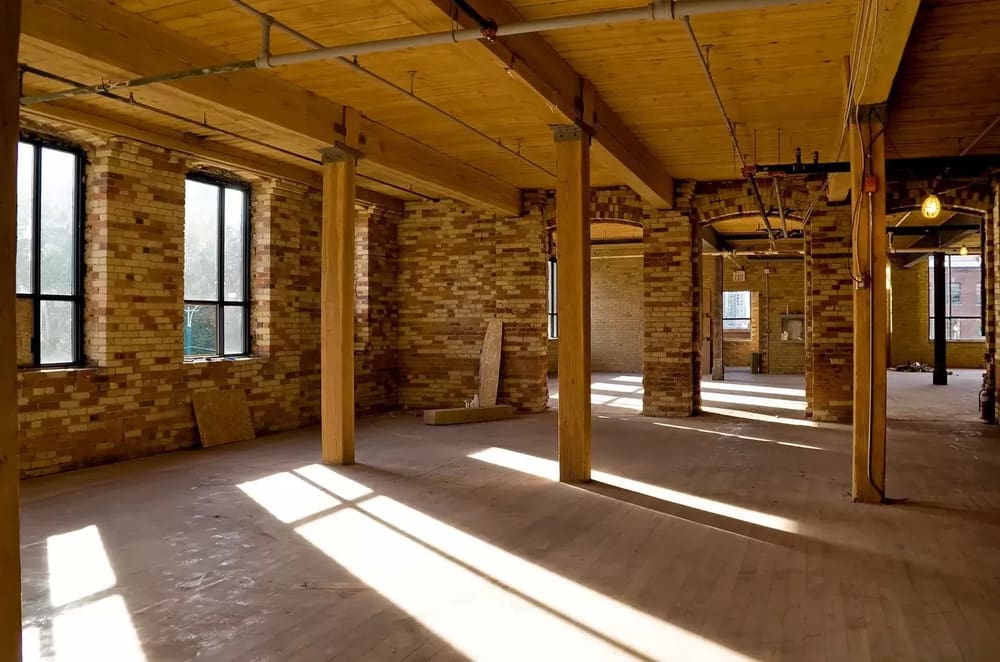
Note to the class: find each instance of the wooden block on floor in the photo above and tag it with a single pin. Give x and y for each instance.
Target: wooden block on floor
(223, 417)
(467, 415)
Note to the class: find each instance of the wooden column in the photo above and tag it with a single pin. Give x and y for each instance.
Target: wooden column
(871, 306)
(941, 290)
(573, 296)
(718, 351)
(10, 551)
(337, 298)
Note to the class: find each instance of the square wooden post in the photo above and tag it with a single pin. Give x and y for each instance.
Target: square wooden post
(10, 549)
(337, 306)
(871, 303)
(573, 250)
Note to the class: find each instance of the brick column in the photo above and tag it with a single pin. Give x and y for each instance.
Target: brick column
(671, 363)
(376, 309)
(829, 314)
(991, 230)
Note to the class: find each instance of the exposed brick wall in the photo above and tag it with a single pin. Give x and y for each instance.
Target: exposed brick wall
(376, 310)
(671, 289)
(992, 257)
(910, 340)
(458, 268)
(133, 398)
(616, 309)
(772, 296)
(829, 350)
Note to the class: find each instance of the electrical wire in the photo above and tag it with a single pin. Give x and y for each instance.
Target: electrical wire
(358, 67)
(131, 101)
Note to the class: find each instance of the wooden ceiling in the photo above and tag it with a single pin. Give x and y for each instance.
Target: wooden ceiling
(779, 73)
(946, 92)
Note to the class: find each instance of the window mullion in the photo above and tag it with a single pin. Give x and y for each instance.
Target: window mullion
(220, 293)
(36, 257)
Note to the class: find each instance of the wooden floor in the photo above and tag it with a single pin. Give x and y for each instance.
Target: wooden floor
(708, 538)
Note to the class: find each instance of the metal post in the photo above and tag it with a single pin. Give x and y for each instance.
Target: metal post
(940, 322)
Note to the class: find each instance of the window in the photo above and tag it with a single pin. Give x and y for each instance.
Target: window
(553, 311)
(216, 275)
(736, 314)
(964, 314)
(49, 264)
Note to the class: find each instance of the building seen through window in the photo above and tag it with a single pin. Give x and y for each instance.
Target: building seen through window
(963, 306)
(736, 314)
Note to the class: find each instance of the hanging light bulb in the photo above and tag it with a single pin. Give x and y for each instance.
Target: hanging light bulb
(963, 251)
(931, 206)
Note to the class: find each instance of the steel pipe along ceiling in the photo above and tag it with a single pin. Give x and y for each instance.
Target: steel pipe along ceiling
(654, 11)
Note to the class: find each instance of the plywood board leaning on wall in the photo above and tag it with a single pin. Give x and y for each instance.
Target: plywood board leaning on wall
(223, 417)
(489, 364)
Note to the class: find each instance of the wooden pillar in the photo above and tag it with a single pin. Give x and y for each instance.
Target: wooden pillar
(871, 305)
(10, 549)
(573, 298)
(337, 297)
(718, 351)
(941, 290)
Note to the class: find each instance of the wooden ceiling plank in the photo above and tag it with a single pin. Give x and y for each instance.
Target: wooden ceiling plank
(541, 67)
(122, 40)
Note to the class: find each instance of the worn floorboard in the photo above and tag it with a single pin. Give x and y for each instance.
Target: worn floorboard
(706, 538)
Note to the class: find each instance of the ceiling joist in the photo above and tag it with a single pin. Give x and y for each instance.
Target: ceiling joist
(124, 41)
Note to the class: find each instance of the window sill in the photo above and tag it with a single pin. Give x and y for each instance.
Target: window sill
(57, 369)
(961, 342)
(201, 360)
(724, 339)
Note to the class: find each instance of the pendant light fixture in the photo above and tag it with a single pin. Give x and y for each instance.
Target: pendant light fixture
(931, 206)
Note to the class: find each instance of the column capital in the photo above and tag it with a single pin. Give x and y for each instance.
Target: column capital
(562, 133)
(340, 152)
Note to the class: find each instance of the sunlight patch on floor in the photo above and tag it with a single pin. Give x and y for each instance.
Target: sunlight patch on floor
(752, 388)
(78, 566)
(739, 436)
(485, 602)
(100, 630)
(288, 497)
(753, 401)
(549, 469)
(88, 623)
(766, 418)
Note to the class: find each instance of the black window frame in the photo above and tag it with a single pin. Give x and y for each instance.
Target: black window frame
(739, 334)
(553, 309)
(38, 142)
(949, 301)
(222, 183)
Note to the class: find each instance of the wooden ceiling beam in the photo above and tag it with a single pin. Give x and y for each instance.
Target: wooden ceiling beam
(531, 59)
(125, 41)
(216, 153)
(874, 70)
(893, 24)
(711, 237)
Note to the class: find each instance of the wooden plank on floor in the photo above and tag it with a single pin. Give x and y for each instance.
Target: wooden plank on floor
(459, 415)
